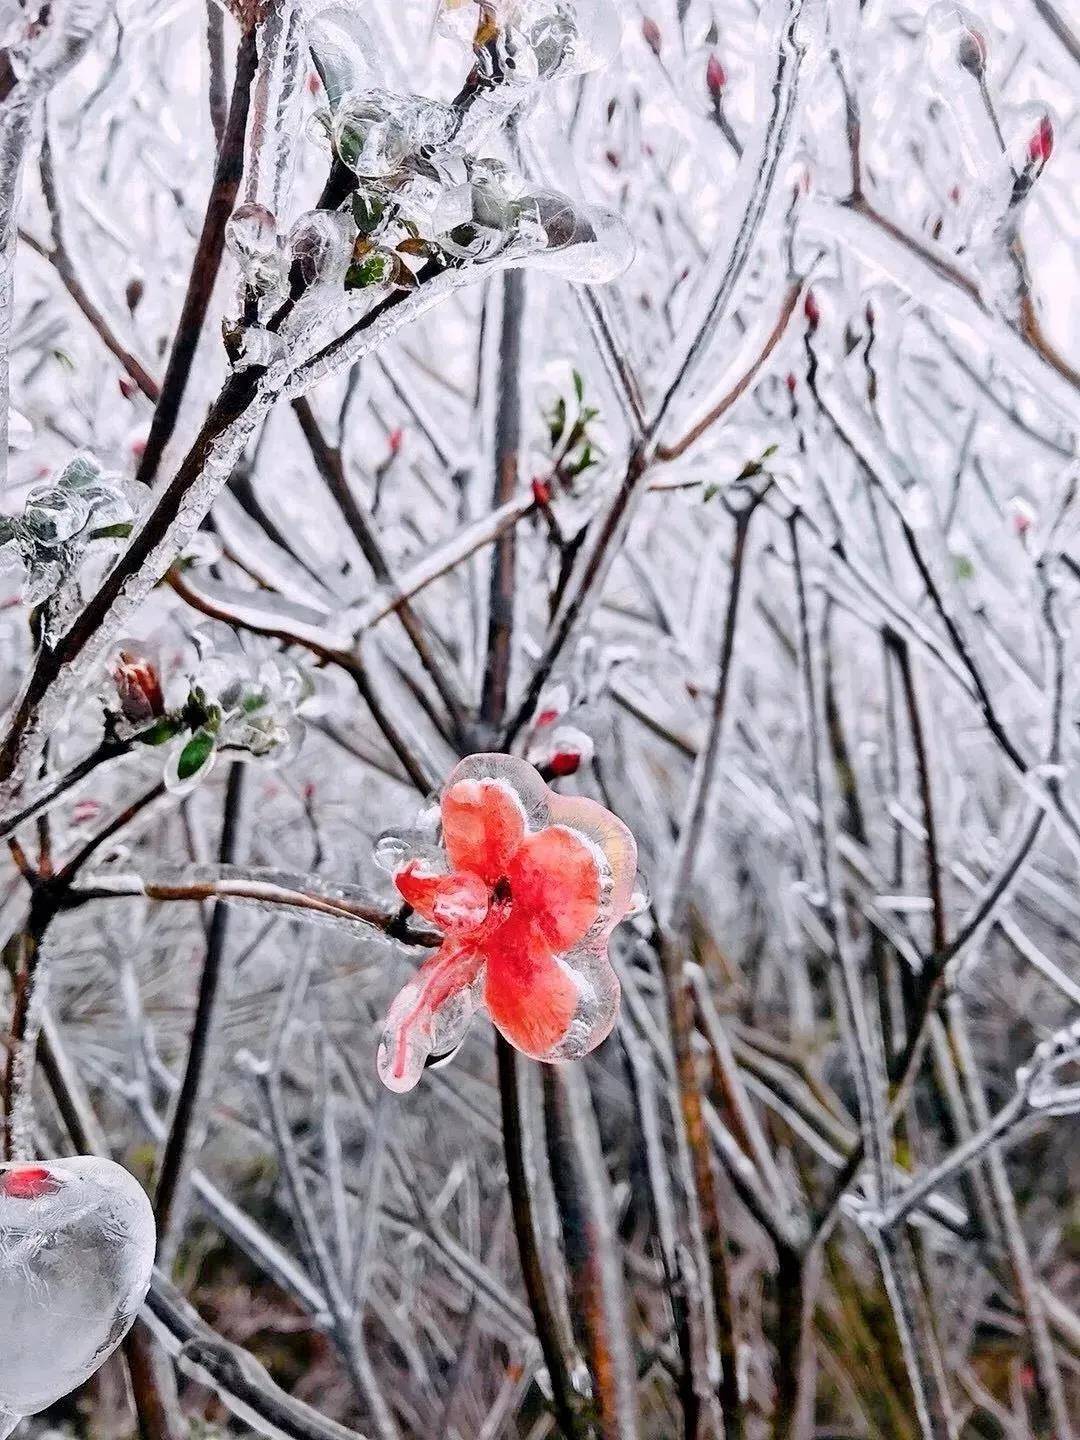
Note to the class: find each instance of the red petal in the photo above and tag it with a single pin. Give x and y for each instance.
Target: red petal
(528, 994)
(457, 902)
(411, 1021)
(483, 824)
(28, 1182)
(555, 887)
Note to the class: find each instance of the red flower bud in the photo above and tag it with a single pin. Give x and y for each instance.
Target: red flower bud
(971, 52)
(394, 439)
(138, 687)
(564, 762)
(1041, 144)
(651, 33)
(715, 77)
(127, 386)
(547, 717)
(812, 311)
(791, 383)
(541, 491)
(138, 447)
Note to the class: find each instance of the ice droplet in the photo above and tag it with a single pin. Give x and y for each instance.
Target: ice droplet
(321, 243)
(76, 1250)
(342, 47)
(252, 236)
(585, 244)
(375, 131)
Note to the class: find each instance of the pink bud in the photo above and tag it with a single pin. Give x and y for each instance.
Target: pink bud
(84, 810)
(812, 311)
(394, 439)
(547, 717)
(127, 386)
(138, 447)
(138, 687)
(1022, 516)
(715, 77)
(791, 383)
(651, 33)
(1041, 144)
(314, 84)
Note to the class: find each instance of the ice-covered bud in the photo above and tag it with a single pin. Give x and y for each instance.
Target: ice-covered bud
(321, 245)
(954, 37)
(585, 244)
(563, 762)
(395, 440)
(252, 238)
(1040, 145)
(375, 131)
(715, 78)
(480, 218)
(138, 687)
(812, 311)
(127, 385)
(541, 490)
(1021, 516)
(76, 1253)
(541, 40)
(561, 751)
(650, 33)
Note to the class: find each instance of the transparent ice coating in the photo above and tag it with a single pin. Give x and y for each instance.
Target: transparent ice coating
(532, 40)
(527, 889)
(341, 46)
(76, 1251)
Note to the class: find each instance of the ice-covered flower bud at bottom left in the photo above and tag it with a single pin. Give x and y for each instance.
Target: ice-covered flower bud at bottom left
(76, 1251)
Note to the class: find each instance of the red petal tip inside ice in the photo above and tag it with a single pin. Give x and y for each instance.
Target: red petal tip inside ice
(28, 1182)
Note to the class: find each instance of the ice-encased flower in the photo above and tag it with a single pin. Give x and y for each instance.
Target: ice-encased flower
(527, 889)
(76, 1252)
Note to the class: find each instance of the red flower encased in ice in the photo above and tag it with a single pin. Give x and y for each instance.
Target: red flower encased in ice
(527, 889)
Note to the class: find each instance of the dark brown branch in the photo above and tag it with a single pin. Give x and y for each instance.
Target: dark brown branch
(207, 262)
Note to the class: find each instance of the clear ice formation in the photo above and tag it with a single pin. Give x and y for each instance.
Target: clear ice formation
(76, 1252)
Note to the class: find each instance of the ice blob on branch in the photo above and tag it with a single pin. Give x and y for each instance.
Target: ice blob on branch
(375, 132)
(76, 1252)
(527, 887)
(341, 46)
(60, 520)
(519, 42)
(492, 214)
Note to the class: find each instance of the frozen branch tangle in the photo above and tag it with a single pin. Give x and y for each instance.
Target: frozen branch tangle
(761, 533)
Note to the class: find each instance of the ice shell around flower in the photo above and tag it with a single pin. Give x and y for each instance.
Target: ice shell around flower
(527, 888)
(76, 1252)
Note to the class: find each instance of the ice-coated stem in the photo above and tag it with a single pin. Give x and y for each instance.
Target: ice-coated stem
(8, 1423)
(43, 61)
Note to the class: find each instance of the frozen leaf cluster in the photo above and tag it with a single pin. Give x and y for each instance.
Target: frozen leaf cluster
(60, 521)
